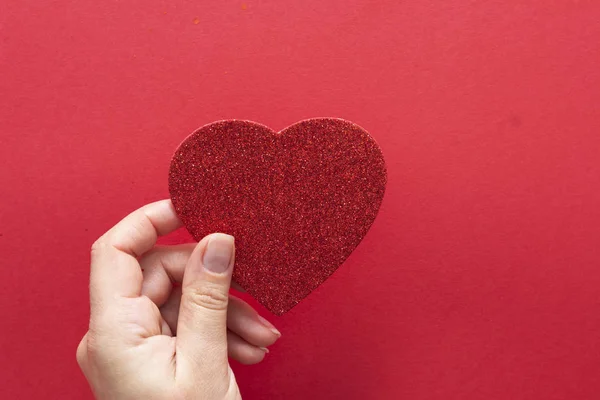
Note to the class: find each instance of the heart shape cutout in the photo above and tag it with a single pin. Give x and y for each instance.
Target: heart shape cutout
(298, 202)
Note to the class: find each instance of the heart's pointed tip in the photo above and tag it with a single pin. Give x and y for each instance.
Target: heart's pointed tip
(277, 308)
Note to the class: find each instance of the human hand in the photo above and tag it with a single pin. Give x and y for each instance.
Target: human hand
(148, 340)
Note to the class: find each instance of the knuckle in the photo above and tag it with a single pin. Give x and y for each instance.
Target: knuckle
(207, 295)
(92, 346)
(98, 246)
(81, 352)
(91, 350)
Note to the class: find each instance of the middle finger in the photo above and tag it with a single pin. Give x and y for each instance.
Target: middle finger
(242, 319)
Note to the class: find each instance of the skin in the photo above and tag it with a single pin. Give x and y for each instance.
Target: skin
(149, 340)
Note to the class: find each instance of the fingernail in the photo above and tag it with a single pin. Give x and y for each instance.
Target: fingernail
(264, 349)
(269, 325)
(218, 253)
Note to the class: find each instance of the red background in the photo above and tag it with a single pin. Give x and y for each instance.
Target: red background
(478, 280)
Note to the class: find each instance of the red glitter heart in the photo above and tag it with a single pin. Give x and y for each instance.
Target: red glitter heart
(298, 202)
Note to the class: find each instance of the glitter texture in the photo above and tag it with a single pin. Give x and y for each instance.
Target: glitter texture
(298, 202)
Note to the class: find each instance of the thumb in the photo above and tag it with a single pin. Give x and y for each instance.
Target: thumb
(202, 325)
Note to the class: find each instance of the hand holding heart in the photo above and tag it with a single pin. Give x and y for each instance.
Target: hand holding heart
(298, 202)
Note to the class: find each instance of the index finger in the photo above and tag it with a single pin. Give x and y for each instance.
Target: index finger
(115, 270)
